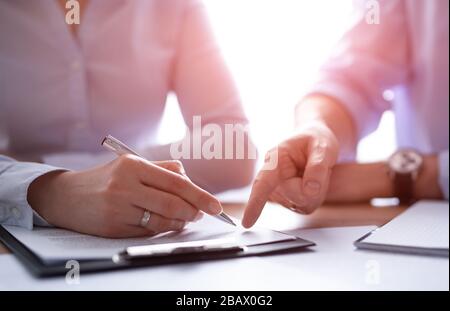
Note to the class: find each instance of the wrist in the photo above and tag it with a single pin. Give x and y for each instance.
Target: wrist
(427, 184)
(375, 181)
(331, 114)
(44, 191)
(313, 110)
(313, 123)
(414, 176)
(383, 186)
(359, 182)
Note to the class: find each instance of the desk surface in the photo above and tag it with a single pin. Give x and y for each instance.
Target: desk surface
(279, 218)
(333, 264)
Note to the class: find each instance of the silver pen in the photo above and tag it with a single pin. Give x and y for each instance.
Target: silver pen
(119, 148)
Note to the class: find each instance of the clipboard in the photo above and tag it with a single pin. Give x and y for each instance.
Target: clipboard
(193, 253)
(403, 249)
(422, 229)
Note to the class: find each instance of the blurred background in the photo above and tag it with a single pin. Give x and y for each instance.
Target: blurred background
(274, 48)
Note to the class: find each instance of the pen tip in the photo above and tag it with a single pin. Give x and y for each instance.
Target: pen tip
(231, 222)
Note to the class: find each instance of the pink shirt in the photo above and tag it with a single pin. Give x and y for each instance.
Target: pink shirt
(408, 53)
(59, 93)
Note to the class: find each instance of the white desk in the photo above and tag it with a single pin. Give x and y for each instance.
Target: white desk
(333, 264)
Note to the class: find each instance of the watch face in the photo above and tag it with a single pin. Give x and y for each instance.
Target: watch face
(405, 161)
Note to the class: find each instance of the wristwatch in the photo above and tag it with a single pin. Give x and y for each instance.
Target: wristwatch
(404, 168)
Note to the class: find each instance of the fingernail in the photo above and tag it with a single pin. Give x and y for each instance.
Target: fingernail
(312, 188)
(215, 208)
(246, 224)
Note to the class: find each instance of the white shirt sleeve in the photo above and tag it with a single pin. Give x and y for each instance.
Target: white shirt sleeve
(15, 178)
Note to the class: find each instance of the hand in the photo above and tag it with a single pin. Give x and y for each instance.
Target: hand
(110, 200)
(301, 177)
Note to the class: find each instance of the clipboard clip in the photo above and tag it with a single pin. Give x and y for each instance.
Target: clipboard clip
(181, 248)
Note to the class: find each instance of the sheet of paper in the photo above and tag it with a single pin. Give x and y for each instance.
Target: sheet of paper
(55, 244)
(425, 224)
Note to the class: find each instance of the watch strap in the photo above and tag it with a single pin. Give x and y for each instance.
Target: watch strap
(403, 187)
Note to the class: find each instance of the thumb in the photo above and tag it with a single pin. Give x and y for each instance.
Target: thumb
(317, 171)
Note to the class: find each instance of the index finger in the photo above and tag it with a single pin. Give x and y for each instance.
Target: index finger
(179, 185)
(265, 183)
(172, 165)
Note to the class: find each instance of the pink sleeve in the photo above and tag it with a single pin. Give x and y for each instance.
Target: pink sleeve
(204, 87)
(368, 60)
(201, 79)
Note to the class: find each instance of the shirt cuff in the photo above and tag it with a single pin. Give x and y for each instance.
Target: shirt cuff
(16, 211)
(443, 173)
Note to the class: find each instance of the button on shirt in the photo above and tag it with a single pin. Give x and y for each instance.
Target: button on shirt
(63, 92)
(406, 53)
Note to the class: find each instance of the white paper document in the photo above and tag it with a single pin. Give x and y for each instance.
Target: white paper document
(56, 244)
(423, 225)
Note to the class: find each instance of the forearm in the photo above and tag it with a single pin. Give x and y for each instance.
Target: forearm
(220, 175)
(354, 182)
(334, 115)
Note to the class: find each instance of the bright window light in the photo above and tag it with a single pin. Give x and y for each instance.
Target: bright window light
(274, 48)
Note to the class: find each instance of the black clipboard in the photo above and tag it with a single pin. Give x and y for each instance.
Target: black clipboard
(40, 268)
